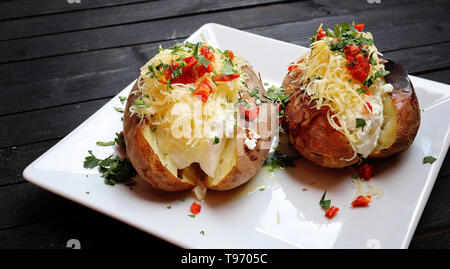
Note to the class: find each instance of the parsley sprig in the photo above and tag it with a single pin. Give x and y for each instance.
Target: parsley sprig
(325, 204)
(278, 159)
(113, 168)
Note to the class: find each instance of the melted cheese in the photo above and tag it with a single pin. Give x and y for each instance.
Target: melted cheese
(186, 128)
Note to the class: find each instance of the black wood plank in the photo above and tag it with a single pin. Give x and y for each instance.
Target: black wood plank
(116, 15)
(42, 125)
(422, 58)
(146, 32)
(24, 8)
(436, 214)
(25, 203)
(439, 75)
(46, 124)
(438, 240)
(13, 160)
(92, 229)
(73, 78)
(424, 23)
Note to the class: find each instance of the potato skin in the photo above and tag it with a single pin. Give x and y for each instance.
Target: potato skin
(150, 168)
(142, 156)
(309, 131)
(316, 140)
(408, 111)
(251, 161)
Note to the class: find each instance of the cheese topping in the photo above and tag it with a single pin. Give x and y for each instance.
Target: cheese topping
(355, 109)
(190, 129)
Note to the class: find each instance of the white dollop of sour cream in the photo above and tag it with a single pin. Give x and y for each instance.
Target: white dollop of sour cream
(367, 136)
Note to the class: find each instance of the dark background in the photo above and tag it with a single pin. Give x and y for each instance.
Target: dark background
(60, 62)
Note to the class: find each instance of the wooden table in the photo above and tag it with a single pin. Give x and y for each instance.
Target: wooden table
(60, 62)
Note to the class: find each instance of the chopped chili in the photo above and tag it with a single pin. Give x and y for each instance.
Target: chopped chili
(359, 27)
(195, 208)
(365, 171)
(249, 114)
(222, 77)
(362, 201)
(331, 212)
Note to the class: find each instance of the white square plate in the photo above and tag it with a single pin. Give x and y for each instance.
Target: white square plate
(284, 214)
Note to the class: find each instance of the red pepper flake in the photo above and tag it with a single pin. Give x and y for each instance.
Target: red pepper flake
(320, 34)
(230, 54)
(222, 77)
(292, 67)
(195, 208)
(249, 114)
(359, 27)
(203, 90)
(205, 51)
(365, 171)
(361, 67)
(367, 89)
(331, 212)
(368, 107)
(362, 201)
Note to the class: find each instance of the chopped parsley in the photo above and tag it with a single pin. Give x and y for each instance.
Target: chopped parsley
(119, 109)
(278, 95)
(216, 140)
(120, 140)
(139, 103)
(346, 34)
(228, 67)
(278, 159)
(169, 207)
(429, 159)
(325, 204)
(122, 99)
(370, 80)
(152, 71)
(361, 90)
(202, 232)
(105, 144)
(360, 123)
(202, 60)
(254, 92)
(192, 215)
(242, 103)
(113, 169)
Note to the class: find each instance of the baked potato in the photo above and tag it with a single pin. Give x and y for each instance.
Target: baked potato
(185, 86)
(336, 94)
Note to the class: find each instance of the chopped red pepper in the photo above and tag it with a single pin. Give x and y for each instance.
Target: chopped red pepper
(359, 27)
(350, 52)
(230, 54)
(365, 171)
(361, 68)
(362, 201)
(222, 77)
(331, 212)
(203, 90)
(320, 34)
(195, 208)
(205, 51)
(367, 89)
(368, 107)
(292, 67)
(249, 114)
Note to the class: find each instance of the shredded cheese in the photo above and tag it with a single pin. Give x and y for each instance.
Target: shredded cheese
(329, 83)
(186, 127)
